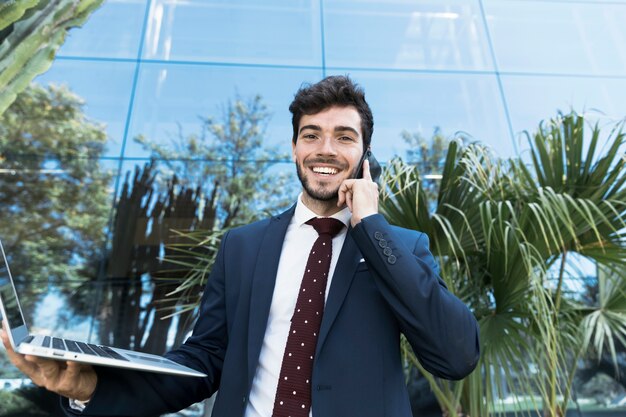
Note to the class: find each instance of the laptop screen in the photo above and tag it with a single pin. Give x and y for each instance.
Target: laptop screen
(8, 300)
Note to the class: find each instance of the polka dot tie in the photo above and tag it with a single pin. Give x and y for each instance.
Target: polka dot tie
(293, 396)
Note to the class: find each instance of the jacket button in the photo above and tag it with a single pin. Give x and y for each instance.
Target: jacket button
(387, 251)
(378, 235)
(244, 399)
(391, 259)
(382, 243)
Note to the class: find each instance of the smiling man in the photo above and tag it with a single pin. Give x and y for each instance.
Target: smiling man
(303, 312)
(327, 150)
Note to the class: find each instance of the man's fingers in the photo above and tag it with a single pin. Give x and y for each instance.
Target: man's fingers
(49, 369)
(349, 199)
(341, 194)
(73, 370)
(345, 194)
(367, 175)
(70, 377)
(77, 381)
(5, 338)
(18, 360)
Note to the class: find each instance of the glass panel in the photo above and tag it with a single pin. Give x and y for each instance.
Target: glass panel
(534, 98)
(56, 210)
(557, 37)
(106, 89)
(405, 34)
(112, 31)
(145, 216)
(172, 99)
(242, 31)
(423, 102)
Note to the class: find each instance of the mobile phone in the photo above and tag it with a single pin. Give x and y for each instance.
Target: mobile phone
(375, 169)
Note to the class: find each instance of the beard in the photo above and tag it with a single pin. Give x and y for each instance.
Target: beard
(320, 194)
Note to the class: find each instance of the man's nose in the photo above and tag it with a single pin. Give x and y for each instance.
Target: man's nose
(327, 146)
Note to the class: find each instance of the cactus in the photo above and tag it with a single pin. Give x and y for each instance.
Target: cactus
(31, 31)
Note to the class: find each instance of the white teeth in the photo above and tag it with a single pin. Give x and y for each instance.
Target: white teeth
(324, 170)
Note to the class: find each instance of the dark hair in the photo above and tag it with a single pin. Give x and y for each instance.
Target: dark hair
(336, 90)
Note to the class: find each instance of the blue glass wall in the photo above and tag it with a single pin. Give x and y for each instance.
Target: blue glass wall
(489, 68)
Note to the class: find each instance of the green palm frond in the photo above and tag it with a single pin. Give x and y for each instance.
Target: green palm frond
(194, 255)
(497, 227)
(605, 323)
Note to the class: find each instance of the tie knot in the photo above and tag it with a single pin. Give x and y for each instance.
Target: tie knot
(326, 225)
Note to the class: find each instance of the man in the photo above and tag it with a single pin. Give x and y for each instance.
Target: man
(257, 337)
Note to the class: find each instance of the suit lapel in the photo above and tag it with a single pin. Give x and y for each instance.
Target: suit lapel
(342, 278)
(263, 282)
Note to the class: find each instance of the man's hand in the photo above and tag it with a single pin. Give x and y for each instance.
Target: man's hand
(69, 379)
(361, 195)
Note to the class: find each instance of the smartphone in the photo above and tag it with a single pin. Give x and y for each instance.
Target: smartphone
(375, 169)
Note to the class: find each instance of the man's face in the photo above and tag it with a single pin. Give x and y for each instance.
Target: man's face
(328, 150)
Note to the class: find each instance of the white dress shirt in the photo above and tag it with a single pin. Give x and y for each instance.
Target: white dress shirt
(298, 242)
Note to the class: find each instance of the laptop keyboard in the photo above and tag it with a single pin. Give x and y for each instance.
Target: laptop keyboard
(78, 347)
(72, 346)
(58, 343)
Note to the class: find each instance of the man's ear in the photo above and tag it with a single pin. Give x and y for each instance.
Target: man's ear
(293, 151)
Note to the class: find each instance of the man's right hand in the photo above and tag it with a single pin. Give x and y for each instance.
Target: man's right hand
(69, 379)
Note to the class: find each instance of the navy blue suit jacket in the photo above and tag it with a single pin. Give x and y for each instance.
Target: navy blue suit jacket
(374, 296)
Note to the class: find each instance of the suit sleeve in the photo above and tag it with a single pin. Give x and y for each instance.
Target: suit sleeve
(441, 329)
(133, 393)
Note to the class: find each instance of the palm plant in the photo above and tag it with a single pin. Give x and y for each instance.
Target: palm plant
(31, 32)
(500, 230)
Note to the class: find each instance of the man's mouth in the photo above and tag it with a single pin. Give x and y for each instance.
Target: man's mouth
(325, 170)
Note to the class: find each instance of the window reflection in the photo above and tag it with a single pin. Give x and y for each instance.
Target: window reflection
(401, 34)
(105, 87)
(241, 31)
(533, 98)
(558, 37)
(172, 99)
(112, 31)
(468, 104)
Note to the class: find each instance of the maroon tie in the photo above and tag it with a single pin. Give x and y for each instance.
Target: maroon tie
(293, 395)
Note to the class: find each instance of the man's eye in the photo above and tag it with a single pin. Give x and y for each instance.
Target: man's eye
(346, 139)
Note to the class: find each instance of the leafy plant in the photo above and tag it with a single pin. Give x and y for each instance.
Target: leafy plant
(31, 32)
(500, 229)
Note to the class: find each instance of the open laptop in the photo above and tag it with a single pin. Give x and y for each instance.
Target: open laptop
(71, 350)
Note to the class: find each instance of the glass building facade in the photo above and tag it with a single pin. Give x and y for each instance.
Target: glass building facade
(489, 69)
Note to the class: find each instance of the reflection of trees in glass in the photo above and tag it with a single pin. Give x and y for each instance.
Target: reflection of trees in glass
(129, 309)
(211, 180)
(53, 192)
(229, 159)
(428, 157)
(31, 31)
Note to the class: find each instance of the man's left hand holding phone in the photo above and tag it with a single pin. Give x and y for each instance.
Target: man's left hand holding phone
(360, 195)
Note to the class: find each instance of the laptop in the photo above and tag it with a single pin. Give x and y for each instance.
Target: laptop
(72, 350)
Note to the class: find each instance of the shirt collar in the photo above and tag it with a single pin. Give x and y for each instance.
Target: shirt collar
(303, 214)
